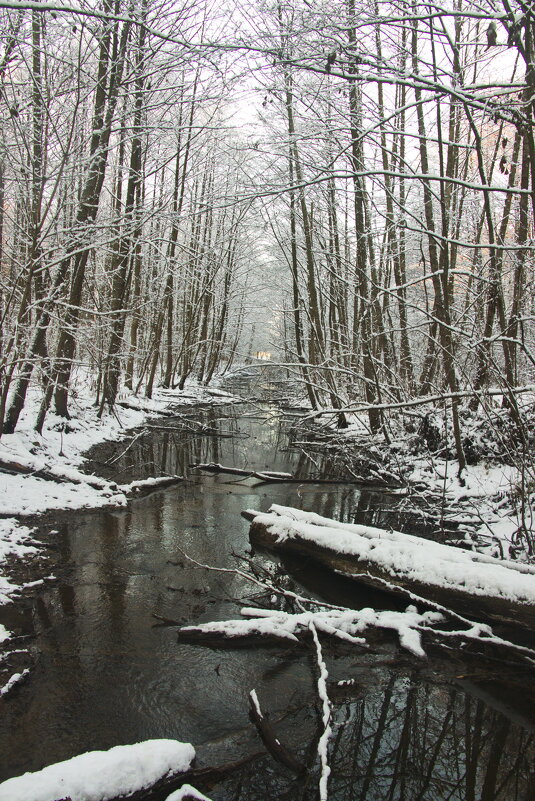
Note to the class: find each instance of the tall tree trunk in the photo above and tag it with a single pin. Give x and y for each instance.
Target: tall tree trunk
(112, 53)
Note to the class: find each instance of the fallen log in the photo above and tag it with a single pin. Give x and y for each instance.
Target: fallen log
(9, 466)
(141, 408)
(145, 486)
(71, 476)
(339, 624)
(15, 468)
(197, 635)
(484, 588)
(213, 467)
(268, 476)
(135, 772)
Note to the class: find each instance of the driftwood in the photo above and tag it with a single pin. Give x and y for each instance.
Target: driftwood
(278, 751)
(268, 477)
(366, 572)
(144, 487)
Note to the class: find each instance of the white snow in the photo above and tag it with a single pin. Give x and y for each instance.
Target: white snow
(485, 498)
(15, 541)
(344, 624)
(405, 556)
(187, 792)
(323, 742)
(101, 775)
(479, 481)
(15, 679)
(146, 483)
(254, 698)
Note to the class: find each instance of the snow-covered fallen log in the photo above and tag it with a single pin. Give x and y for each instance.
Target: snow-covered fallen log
(462, 580)
(343, 624)
(123, 772)
(137, 405)
(146, 485)
(59, 474)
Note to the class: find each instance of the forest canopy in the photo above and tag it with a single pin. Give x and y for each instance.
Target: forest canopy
(363, 171)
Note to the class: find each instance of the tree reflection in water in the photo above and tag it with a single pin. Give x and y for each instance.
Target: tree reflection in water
(408, 741)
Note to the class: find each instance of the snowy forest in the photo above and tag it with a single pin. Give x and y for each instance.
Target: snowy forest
(165, 166)
(304, 224)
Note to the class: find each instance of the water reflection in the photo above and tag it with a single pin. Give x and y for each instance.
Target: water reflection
(106, 674)
(409, 740)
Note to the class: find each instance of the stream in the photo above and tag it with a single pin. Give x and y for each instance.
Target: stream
(107, 673)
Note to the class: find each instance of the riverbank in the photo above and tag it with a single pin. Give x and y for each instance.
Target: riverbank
(43, 475)
(490, 507)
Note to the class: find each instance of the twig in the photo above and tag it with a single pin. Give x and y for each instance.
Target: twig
(167, 621)
(130, 444)
(269, 587)
(326, 716)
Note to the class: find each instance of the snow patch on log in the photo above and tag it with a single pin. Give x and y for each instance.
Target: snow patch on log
(145, 485)
(102, 775)
(15, 679)
(186, 793)
(343, 624)
(403, 556)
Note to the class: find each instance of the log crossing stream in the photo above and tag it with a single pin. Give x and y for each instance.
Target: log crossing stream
(106, 673)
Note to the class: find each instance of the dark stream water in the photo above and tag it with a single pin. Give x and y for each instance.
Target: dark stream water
(105, 674)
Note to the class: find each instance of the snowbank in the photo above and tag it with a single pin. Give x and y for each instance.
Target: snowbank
(59, 451)
(15, 541)
(479, 481)
(102, 775)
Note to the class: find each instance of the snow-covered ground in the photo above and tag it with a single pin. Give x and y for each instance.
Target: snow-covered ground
(493, 501)
(486, 502)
